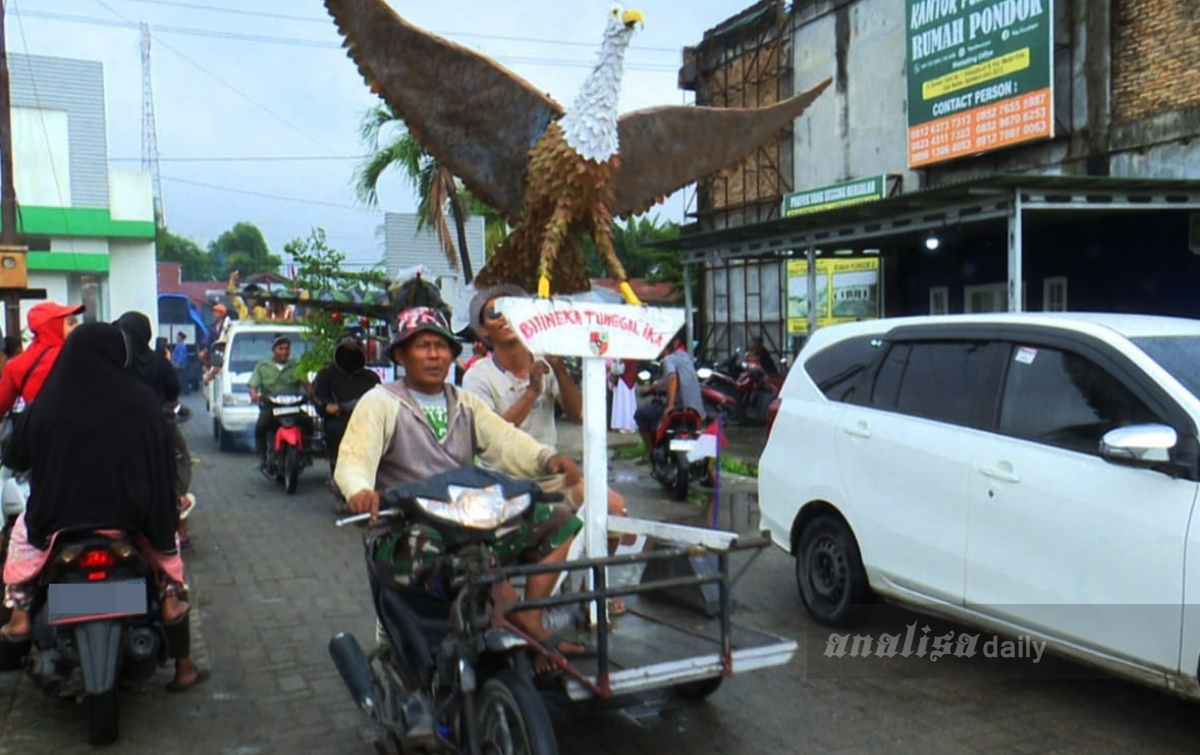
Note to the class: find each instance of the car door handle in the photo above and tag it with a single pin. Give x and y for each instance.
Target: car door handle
(859, 431)
(999, 474)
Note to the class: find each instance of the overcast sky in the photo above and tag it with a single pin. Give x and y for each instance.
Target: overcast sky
(290, 92)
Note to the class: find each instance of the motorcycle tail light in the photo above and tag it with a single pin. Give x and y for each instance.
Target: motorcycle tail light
(97, 576)
(97, 559)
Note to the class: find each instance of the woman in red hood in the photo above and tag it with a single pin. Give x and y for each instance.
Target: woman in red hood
(50, 322)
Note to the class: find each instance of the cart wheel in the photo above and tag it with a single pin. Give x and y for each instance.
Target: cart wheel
(699, 690)
(513, 719)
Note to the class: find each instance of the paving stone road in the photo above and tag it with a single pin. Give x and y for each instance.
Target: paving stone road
(274, 579)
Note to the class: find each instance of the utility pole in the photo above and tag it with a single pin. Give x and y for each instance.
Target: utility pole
(8, 197)
(14, 278)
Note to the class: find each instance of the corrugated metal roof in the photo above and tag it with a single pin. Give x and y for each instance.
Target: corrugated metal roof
(407, 247)
(76, 86)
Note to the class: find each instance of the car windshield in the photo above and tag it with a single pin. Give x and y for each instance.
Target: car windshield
(251, 348)
(1178, 355)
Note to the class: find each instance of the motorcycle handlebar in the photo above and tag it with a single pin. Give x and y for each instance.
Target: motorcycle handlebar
(543, 497)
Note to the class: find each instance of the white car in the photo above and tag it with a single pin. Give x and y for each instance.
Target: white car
(247, 344)
(1033, 475)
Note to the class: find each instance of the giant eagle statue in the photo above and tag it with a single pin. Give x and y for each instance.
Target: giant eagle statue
(553, 174)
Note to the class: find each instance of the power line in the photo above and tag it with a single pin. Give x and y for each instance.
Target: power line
(223, 82)
(266, 195)
(250, 158)
(326, 22)
(313, 43)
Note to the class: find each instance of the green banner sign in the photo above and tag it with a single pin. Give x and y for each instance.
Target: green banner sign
(980, 76)
(834, 196)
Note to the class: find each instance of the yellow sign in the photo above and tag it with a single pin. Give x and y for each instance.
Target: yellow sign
(976, 74)
(847, 291)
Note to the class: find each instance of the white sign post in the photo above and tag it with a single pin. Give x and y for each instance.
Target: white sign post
(595, 333)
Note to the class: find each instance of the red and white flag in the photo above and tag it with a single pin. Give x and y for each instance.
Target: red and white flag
(706, 444)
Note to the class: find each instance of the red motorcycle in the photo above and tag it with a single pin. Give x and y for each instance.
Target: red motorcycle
(744, 400)
(678, 432)
(289, 447)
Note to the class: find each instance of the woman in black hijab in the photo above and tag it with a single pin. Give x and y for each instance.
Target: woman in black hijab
(98, 450)
(151, 366)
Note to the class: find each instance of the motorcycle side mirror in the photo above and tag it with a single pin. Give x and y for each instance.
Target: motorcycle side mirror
(704, 373)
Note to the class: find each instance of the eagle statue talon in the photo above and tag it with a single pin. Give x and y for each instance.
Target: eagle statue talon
(630, 297)
(554, 173)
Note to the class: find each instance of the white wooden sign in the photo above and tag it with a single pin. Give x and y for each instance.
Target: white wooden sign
(563, 327)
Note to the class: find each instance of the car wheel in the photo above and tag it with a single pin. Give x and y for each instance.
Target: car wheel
(829, 572)
(226, 442)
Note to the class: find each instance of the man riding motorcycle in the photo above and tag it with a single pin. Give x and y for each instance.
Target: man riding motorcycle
(339, 384)
(276, 376)
(420, 426)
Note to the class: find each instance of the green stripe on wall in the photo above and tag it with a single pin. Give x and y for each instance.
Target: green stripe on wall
(92, 222)
(67, 261)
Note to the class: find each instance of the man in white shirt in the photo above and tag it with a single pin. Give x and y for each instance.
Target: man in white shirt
(523, 389)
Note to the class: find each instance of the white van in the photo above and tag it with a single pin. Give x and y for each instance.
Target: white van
(247, 344)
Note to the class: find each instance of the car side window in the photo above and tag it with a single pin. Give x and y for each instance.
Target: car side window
(837, 370)
(887, 381)
(1063, 399)
(940, 381)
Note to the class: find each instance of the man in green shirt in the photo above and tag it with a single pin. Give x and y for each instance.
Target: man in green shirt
(275, 377)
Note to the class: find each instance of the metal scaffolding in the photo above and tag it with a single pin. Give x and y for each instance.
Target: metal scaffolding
(744, 62)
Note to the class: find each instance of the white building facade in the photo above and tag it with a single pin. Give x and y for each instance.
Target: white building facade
(90, 230)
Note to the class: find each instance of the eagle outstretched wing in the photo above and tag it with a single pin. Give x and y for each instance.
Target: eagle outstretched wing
(476, 117)
(663, 149)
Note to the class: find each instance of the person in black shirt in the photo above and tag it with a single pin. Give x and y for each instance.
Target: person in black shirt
(759, 351)
(338, 384)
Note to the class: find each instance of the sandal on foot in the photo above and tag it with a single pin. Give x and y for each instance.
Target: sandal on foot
(202, 675)
(554, 642)
(182, 617)
(16, 639)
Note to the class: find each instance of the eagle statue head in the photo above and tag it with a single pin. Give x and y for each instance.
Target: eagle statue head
(590, 124)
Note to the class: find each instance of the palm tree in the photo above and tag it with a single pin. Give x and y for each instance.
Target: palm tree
(436, 187)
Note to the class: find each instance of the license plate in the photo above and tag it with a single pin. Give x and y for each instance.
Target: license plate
(683, 445)
(82, 602)
(282, 410)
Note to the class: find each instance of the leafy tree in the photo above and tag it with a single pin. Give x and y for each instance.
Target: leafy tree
(243, 248)
(437, 188)
(319, 268)
(629, 242)
(195, 263)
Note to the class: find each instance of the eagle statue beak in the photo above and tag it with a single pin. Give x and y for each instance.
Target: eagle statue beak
(633, 17)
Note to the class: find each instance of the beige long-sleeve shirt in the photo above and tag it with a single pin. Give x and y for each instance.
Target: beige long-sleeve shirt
(369, 436)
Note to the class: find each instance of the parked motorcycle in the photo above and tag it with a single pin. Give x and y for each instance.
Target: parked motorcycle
(677, 433)
(744, 400)
(449, 678)
(96, 626)
(288, 448)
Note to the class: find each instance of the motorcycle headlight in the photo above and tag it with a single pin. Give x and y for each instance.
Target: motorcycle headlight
(476, 508)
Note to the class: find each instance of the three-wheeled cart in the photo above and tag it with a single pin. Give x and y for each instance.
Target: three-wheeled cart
(678, 631)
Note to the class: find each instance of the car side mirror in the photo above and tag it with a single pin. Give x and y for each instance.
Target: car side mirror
(1139, 445)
